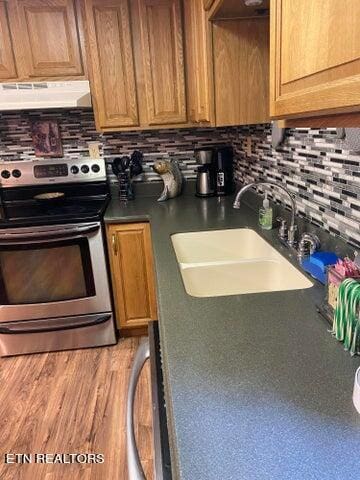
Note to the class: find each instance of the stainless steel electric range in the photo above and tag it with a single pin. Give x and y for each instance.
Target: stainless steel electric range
(54, 289)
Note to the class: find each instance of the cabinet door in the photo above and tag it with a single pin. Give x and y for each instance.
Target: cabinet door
(48, 38)
(241, 66)
(315, 57)
(7, 60)
(111, 63)
(161, 76)
(198, 62)
(132, 272)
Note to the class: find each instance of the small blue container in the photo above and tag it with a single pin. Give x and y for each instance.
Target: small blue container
(317, 264)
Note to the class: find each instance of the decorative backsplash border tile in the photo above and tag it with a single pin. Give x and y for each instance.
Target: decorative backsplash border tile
(312, 163)
(164, 144)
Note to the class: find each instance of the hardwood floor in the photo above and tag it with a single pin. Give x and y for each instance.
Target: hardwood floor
(72, 402)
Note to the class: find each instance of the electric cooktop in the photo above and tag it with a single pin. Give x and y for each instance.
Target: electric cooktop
(74, 191)
(70, 210)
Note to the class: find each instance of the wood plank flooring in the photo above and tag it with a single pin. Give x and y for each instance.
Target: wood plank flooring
(72, 402)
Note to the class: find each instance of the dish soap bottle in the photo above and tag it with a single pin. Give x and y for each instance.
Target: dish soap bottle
(266, 215)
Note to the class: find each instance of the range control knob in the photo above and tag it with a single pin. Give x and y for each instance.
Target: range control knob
(5, 174)
(16, 173)
(85, 169)
(74, 169)
(95, 168)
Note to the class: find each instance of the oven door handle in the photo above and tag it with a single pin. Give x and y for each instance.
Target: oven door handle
(44, 240)
(135, 469)
(43, 234)
(16, 331)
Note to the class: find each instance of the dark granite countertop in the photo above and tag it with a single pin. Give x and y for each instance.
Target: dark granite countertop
(256, 387)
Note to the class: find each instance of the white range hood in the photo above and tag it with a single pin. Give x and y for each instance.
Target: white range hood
(42, 95)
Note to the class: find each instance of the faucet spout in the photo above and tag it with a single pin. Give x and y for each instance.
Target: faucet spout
(247, 187)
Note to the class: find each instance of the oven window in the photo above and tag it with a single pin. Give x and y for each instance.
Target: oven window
(43, 273)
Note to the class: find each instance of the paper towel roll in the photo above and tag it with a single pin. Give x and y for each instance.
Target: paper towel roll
(356, 395)
(352, 139)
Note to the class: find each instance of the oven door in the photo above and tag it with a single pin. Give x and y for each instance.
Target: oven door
(52, 271)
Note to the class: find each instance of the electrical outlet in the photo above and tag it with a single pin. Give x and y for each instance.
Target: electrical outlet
(94, 149)
(248, 146)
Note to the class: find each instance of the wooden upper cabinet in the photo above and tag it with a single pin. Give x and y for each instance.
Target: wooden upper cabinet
(160, 61)
(315, 57)
(8, 69)
(198, 62)
(241, 71)
(48, 39)
(111, 63)
(132, 273)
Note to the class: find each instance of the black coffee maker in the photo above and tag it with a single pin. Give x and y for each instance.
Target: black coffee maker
(223, 161)
(215, 174)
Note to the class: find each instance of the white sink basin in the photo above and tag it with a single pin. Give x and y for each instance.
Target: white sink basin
(233, 262)
(242, 277)
(221, 245)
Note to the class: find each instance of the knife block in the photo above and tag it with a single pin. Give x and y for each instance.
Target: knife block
(126, 191)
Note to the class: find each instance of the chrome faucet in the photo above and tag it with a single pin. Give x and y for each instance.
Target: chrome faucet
(291, 232)
(309, 243)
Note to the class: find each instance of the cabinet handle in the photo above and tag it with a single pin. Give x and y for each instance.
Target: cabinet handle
(136, 471)
(114, 244)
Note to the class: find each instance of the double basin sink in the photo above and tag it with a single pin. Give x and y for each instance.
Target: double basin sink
(233, 262)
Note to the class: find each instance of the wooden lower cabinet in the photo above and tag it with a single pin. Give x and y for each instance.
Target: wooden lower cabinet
(132, 274)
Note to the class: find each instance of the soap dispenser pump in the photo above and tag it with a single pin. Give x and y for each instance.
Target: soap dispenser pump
(266, 215)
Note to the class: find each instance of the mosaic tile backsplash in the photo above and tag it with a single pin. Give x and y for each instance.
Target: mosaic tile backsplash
(77, 129)
(314, 164)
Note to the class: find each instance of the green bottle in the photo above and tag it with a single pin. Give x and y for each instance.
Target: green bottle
(266, 215)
